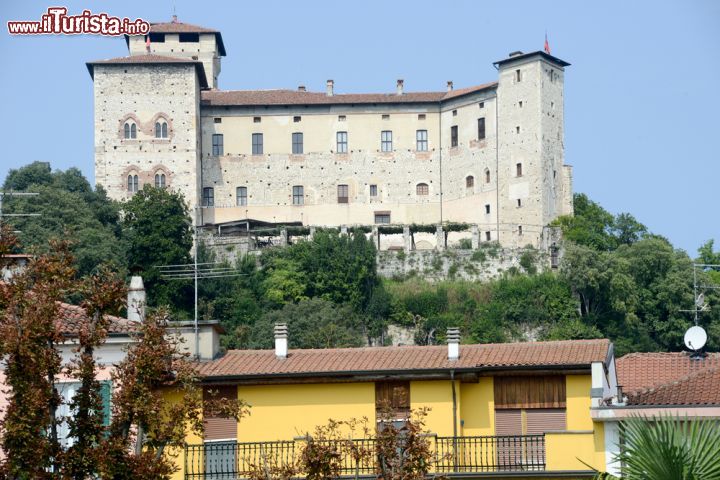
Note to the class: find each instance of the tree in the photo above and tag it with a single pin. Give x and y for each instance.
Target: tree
(668, 448)
(314, 323)
(708, 256)
(70, 209)
(158, 230)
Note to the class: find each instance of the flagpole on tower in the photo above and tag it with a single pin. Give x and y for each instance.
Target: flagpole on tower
(547, 45)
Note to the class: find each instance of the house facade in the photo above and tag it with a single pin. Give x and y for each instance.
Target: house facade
(490, 155)
(500, 411)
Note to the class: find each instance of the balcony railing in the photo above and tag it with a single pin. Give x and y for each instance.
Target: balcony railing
(453, 455)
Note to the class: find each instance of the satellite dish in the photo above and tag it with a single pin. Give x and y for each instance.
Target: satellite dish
(695, 338)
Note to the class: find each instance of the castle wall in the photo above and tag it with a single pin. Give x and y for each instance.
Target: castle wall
(142, 94)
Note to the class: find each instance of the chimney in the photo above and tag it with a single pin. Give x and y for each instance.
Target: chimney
(453, 341)
(400, 84)
(136, 300)
(281, 335)
(516, 53)
(329, 88)
(449, 85)
(174, 19)
(302, 88)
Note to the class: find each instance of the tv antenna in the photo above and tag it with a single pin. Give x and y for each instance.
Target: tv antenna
(197, 271)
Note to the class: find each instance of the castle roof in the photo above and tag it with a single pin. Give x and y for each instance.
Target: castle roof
(253, 364)
(180, 27)
(522, 56)
(296, 97)
(150, 58)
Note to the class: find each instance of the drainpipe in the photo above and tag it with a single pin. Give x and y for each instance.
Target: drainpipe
(440, 160)
(455, 432)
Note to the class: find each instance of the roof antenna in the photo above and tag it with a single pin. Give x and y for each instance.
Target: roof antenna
(174, 15)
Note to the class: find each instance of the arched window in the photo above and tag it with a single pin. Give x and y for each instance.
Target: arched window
(487, 175)
(159, 180)
(422, 189)
(161, 129)
(469, 181)
(130, 130)
(133, 183)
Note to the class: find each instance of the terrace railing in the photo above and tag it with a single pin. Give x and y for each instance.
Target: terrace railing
(453, 455)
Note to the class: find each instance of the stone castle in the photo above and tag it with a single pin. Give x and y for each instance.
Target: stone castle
(489, 155)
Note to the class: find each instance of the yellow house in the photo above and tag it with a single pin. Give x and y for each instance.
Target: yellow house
(518, 410)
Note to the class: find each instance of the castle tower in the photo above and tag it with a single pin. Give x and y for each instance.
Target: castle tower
(534, 185)
(182, 40)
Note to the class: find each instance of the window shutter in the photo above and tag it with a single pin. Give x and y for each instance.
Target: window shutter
(541, 420)
(508, 422)
(217, 428)
(106, 395)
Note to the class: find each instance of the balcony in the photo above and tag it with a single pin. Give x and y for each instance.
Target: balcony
(454, 456)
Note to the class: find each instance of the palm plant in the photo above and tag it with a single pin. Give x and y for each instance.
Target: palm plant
(668, 448)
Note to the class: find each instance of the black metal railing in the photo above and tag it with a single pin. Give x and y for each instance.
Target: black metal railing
(231, 460)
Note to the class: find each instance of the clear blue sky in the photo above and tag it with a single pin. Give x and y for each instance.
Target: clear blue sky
(642, 96)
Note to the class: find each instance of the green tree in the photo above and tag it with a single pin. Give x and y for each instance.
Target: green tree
(158, 230)
(313, 323)
(708, 256)
(69, 208)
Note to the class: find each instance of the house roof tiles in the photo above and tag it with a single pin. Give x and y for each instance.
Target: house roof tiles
(373, 360)
(72, 317)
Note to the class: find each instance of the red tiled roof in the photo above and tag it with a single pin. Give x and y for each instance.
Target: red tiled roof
(340, 361)
(637, 371)
(150, 58)
(71, 317)
(179, 27)
(699, 388)
(295, 97)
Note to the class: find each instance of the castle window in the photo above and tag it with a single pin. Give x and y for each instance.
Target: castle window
(421, 116)
(241, 196)
(130, 130)
(487, 208)
(373, 190)
(518, 169)
(519, 229)
(256, 119)
(382, 217)
(157, 38)
(297, 143)
(520, 104)
(342, 142)
(297, 119)
(386, 141)
(454, 113)
(422, 189)
(518, 76)
(217, 144)
(481, 128)
(453, 136)
(341, 118)
(386, 117)
(133, 183)
(517, 129)
(421, 138)
(519, 203)
(161, 129)
(481, 104)
(487, 175)
(217, 120)
(487, 236)
(189, 37)
(257, 143)
(159, 180)
(469, 181)
(298, 192)
(208, 197)
(342, 193)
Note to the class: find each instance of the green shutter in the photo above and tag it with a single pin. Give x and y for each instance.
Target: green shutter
(106, 393)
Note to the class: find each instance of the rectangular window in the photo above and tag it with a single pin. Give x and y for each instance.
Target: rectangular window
(518, 76)
(518, 169)
(217, 120)
(217, 144)
(341, 118)
(454, 113)
(257, 143)
(481, 104)
(453, 136)
(386, 117)
(382, 217)
(373, 190)
(520, 230)
(421, 116)
(487, 208)
(189, 37)
(298, 195)
(157, 38)
(421, 138)
(208, 198)
(241, 196)
(342, 194)
(392, 399)
(342, 142)
(256, 119)
(481, 128)
(386, 141)
(297, 119)
(487, 236)
(297, 143)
